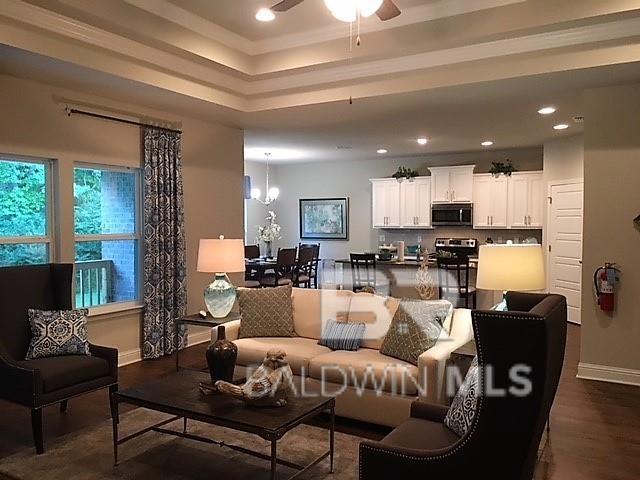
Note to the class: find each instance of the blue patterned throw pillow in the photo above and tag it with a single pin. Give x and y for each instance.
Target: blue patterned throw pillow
(58, 332)
(342, 335)
(463, 408)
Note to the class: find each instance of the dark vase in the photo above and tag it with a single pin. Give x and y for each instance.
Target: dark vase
(221, 358)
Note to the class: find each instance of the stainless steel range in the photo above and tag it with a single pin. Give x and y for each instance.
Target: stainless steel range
(462, 247)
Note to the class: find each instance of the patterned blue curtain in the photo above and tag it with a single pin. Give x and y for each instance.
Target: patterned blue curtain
(165, 291)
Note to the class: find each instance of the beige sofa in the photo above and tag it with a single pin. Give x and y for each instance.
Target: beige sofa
(368, 386)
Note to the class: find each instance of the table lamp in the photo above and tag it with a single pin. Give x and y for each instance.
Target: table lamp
(220, 256)
(511, 267)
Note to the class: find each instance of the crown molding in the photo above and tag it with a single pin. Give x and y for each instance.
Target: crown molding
(213, 31)
(526, 44)
(127, 58)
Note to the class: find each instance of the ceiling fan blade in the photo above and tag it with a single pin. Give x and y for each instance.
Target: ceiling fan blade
(388, 10)
(285, 5)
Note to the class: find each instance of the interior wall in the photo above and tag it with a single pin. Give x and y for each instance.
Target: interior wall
(564, 158)
(612, 200)
(32, 124)
(256, 212)
(351, 179)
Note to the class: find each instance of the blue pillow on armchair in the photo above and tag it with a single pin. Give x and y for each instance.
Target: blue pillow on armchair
(58, 332)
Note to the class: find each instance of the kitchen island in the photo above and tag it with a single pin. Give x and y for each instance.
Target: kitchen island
(399, 278)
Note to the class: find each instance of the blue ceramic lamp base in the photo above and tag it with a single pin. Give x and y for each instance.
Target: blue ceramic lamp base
(220, 296)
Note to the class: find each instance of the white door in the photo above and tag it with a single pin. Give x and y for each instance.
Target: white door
(440, 186)
(423, 202)
(564, 236)
(499, 202)
(461, 181)
(408, 203)
(536, 201)
(518, 200)
(482, 201)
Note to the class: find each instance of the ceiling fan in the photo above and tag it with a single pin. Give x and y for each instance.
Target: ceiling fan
(347, 11)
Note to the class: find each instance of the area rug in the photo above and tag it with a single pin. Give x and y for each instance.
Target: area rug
(88, 454)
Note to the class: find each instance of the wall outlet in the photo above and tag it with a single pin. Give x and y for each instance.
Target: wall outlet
(381, 238)
(419, 238)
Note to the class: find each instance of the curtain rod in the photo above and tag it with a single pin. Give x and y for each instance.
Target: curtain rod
(75, 111)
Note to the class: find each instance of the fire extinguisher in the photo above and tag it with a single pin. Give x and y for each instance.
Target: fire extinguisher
(605, 279)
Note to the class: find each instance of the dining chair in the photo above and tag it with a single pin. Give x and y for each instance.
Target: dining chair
(284, 269)
(363, 271)
(304, 269)
(453, 280)
(315, 264)
(251, 251)
(251, 274)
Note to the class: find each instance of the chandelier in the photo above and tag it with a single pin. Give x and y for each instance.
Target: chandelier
(350, 10)
(272, 192)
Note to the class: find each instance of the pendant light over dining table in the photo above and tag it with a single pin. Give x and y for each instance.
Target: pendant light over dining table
(272, 193)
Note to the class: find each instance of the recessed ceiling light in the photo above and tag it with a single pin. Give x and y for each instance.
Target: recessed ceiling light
(487, 143)
(561, 126)
(422, 140)
(547, 110)
(265, 15)
(381, 151)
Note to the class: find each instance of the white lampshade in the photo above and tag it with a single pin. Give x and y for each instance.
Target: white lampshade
(221, 255)
(511, 267)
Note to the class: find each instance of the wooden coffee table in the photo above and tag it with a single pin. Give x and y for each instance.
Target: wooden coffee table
(178, 395)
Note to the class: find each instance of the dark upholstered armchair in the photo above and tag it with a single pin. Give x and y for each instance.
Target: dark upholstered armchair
(44, 381)
(502, 442)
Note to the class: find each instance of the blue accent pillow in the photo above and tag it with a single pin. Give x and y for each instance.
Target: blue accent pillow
(342, 335)
(58, 332)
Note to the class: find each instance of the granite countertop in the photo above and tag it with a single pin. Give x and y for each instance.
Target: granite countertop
(473, 262)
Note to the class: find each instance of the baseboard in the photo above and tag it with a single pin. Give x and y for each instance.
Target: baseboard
(129, 357)
(135, 355)
(604, 373)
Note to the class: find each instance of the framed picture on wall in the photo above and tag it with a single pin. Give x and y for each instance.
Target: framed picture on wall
(324, 218)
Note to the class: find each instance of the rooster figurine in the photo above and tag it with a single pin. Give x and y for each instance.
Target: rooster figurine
(270, 385)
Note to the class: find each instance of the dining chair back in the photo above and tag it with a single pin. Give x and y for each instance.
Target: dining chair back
(304, 268)
(363, 270)
(284, 271)
(251, 251)
(315, 263)
(453, 280)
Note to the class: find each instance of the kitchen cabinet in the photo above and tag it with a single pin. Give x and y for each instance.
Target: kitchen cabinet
(401, 205)
(490, 201)
(415, 203)
(386, 203)
(452, 184)
(526, 200)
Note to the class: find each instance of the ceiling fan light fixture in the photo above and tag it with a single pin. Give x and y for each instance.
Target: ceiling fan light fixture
(265, 15)
(348, 10)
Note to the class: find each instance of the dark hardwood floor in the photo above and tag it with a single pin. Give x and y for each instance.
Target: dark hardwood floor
(595, 427)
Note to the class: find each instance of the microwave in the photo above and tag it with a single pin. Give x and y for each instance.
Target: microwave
(452, 214)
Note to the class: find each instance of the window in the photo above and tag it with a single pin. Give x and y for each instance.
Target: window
(25, 201)
(107, 235)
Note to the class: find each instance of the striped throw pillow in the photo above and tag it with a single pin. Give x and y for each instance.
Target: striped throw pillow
(342, 335)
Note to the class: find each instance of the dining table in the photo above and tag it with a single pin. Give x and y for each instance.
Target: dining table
(260, 265)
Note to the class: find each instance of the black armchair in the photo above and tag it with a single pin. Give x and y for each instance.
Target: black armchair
(41, 382)
(502, 441)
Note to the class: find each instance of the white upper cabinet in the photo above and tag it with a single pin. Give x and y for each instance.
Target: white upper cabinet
(490, 201)
(526, 200)
(386, 202)
(452, 184)
(415, 203)
(401, 205)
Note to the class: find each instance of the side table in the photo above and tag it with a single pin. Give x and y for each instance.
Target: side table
(460, 360)
(197, 320)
